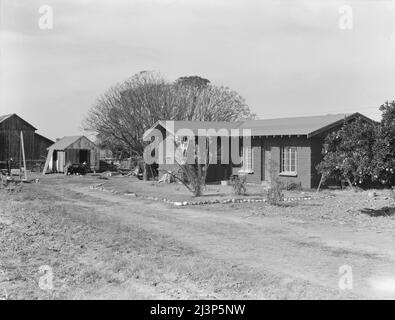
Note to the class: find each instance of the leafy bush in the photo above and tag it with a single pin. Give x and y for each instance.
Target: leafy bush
(239, 185)
(384, 147)
(348, 153)
(294, 186)
(362, 152)
(192, 176)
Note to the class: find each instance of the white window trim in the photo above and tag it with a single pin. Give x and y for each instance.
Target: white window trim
(244, 168)
(289, 173)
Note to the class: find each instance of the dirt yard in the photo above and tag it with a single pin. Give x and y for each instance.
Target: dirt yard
(100, 244)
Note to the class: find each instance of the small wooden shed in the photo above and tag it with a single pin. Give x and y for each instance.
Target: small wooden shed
(72, 150)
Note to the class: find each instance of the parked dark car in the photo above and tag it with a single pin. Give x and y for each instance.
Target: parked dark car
(77, 168)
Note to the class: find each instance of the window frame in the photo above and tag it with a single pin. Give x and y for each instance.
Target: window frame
(286, 169)
(247, 158)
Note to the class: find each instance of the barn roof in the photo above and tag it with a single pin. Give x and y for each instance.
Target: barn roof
(42, 137)
(309, 126)
(7, 116)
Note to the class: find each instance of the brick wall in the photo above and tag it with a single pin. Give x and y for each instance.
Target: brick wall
(267, 155)
(316, 158)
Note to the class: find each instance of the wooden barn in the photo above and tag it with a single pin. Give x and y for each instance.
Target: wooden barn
(35, 145)
(72, 150)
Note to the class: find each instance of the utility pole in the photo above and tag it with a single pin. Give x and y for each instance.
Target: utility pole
(23, 155)
(20, 160)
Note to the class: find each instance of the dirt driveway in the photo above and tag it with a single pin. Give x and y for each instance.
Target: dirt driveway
(289, 257)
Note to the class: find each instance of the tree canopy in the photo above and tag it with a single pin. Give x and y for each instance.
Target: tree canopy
(193, 81)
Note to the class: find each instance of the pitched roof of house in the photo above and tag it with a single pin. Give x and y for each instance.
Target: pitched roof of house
(309, 126)
(194, 126)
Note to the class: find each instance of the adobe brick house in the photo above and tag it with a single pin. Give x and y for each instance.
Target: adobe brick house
(288, 148)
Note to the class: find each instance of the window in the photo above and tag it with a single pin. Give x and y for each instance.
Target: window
(247, 160)
(182, 149)
(219, 151)
(288, 160)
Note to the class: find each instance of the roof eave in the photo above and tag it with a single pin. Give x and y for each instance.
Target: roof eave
(64, 148)
(154, 126)
(334, 124)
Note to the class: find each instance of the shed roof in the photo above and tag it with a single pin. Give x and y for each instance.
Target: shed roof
(67, 142)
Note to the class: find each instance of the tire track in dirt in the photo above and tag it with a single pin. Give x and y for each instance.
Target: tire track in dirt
(261, 244)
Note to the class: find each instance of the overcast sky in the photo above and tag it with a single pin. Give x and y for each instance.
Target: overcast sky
(286, 58)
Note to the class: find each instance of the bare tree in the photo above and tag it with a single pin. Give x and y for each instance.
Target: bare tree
(191, 175)
(122, 114)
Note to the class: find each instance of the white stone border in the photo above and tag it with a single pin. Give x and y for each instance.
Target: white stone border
(193, 203)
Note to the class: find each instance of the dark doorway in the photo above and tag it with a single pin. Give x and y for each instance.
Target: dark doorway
(263, 165)
(54, 160)
(84, 156)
